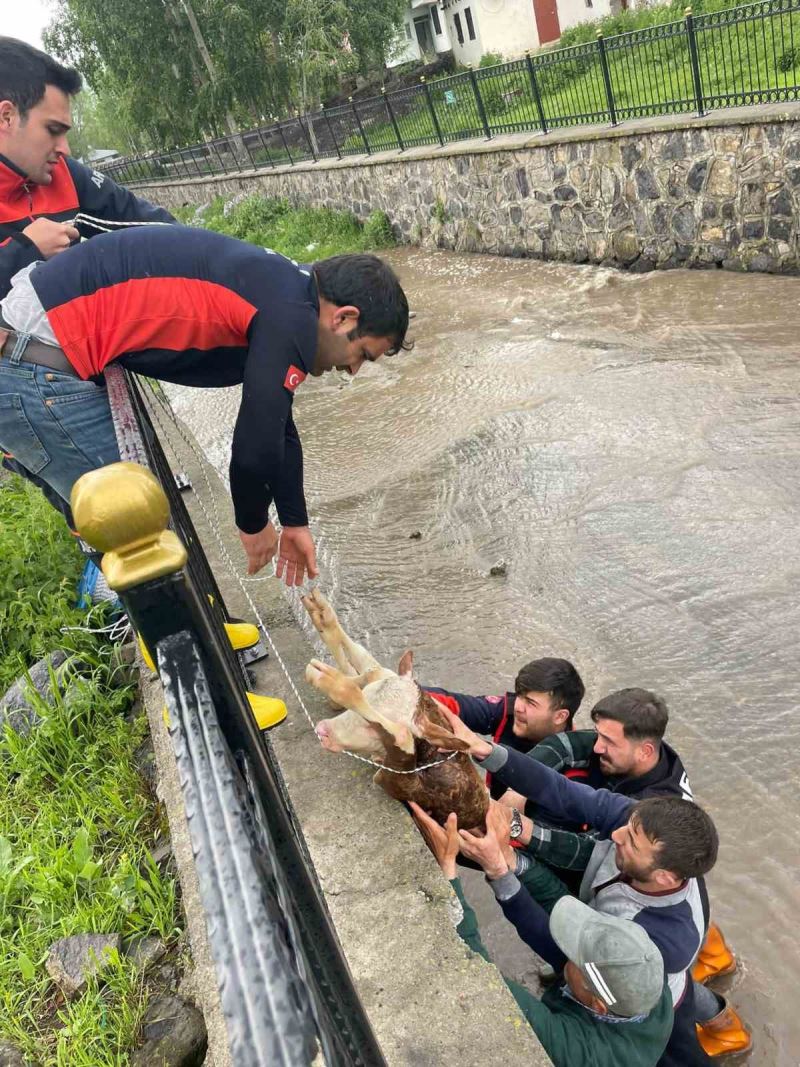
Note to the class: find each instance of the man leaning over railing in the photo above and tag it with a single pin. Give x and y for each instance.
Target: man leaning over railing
(196, 308)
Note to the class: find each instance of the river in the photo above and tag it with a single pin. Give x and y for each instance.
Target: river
(627, 446)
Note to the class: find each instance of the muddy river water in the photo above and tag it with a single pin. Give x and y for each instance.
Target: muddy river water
(627, 445)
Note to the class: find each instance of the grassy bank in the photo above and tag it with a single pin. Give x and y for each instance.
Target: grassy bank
(76, 818)
(304, 234)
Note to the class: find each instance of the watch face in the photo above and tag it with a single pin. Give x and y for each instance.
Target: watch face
(516, 824)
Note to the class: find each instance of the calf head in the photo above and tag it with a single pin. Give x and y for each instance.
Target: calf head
(386, 720)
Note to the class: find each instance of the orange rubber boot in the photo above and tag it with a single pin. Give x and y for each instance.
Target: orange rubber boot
(725, 1034)
(715, 957)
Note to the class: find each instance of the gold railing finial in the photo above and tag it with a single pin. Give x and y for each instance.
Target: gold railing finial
(122, 511)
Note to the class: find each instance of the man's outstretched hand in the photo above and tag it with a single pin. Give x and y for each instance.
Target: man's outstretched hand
(441, 840)
(260, 547)
(297, 558)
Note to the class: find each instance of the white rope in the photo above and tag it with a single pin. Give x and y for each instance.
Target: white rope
(214, 525)
(107, 225)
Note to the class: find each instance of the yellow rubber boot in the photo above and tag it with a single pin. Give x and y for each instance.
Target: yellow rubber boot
(725, 1034)
(268, 711)
(240, 634)
(715, 957)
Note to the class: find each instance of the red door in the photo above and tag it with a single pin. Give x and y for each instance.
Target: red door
(546, 12)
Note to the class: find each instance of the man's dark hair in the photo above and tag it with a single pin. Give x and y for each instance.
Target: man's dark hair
(685, 834)
(25, 73)
(554, 676)
(372, 286)
(643, 715)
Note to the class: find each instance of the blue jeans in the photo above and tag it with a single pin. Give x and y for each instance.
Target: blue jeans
(56, 426)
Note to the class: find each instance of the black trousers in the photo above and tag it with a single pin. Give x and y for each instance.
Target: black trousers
(683, 1048)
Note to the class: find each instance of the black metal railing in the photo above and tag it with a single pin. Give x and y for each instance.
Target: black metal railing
(285, 987)
(743, 55)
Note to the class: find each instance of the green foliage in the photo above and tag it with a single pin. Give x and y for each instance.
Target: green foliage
(304, 234)
(439, 211)
(75, 816)
(491, 59)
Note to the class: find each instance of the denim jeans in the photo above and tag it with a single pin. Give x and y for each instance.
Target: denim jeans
(56, 426)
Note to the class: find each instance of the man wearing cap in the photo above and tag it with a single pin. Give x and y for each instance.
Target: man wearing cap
(613, 1007)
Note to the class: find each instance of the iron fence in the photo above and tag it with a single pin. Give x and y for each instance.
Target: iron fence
(742, 55)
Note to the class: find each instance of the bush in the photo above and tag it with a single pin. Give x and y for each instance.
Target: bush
(491, 59)
(378, 230)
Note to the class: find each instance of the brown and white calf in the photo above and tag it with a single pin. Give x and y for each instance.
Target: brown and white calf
(386, 718)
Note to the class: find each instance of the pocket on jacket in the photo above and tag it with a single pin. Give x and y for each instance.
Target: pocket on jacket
(18, 436)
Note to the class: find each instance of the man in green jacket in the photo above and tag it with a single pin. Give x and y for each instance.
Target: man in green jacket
(613, 1007)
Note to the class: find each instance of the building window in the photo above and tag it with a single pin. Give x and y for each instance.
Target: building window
(437, 26)
(408, 31)
(589, 3)
(459, 31)
(470, 26)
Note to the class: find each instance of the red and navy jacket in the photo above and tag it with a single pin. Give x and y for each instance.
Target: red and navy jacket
(74, 188)
(494, 716)
(198, 308)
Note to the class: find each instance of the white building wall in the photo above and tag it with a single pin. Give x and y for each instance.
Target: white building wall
(406, 47)
(508, 27)
(573, 12)
(469, 52)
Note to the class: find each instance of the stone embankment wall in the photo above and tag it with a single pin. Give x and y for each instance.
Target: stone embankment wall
(721, 191)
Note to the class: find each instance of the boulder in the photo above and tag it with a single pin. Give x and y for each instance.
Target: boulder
(73, 960)
(16, 707)
(174, 1034)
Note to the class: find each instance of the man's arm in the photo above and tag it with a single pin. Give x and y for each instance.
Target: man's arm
(265, 453)
(98, 195)
(561, 848)
(568, 750)
(559, 797)
(481, 714)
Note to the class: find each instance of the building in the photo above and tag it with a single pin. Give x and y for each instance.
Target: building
(503, 27)
(423, 34)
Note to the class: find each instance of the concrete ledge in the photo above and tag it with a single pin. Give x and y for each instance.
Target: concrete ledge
(430, 1000)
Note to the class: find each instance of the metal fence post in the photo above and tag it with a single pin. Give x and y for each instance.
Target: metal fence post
(360, 127)
(601, 47)
(432, 110)
(392, 119)
(307, 134)
(285, 144)
(698, 85)
(537, 99)
(479, 103)
(330, 131)
(265, 146)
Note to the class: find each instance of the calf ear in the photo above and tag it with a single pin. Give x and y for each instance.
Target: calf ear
(405, 668)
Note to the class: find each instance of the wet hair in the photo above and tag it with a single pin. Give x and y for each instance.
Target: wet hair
(554, 676)
(685, 834)
(372, 286)
(25, 73)
(643, 715)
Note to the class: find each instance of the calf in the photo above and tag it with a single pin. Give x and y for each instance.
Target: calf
(386, 720)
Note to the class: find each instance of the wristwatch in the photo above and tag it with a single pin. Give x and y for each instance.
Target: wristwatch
(516, 824)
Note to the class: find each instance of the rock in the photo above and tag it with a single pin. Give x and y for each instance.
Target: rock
(631, 154)
(16, 708)
(674, 146)
(781, 229)
(709, 209)
(144, 760)
(145, 951)
(162, 853)
(752, 198)
(697, 175)
(684, 224)
(521, 178)
(516, 214)
(753, 229)
(498, 570)
(565, 192)
(626, 246)
(781, 203)
(11, 1056)
(721, 179)
(73, 960)
(174, 1035)
(415, 536)
(646, 184)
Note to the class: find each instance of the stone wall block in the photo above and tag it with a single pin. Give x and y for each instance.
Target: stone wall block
(721, 178)
(646, 185)
(781, 203)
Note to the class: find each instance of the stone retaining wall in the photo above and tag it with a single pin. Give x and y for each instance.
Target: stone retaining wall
(721, 191)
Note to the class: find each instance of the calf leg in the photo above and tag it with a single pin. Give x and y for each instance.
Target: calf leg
(346, 691)
(351, 658)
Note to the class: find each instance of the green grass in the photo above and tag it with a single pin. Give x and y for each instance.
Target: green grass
(76, 818)
(304, 234)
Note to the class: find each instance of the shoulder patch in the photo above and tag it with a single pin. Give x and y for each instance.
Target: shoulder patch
(294, 376)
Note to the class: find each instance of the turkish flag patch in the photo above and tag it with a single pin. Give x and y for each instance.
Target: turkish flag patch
(294, 376)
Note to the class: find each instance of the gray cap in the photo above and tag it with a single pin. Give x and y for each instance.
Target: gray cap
(616, 957)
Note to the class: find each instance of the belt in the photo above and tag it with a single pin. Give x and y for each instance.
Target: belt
(36, 352)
